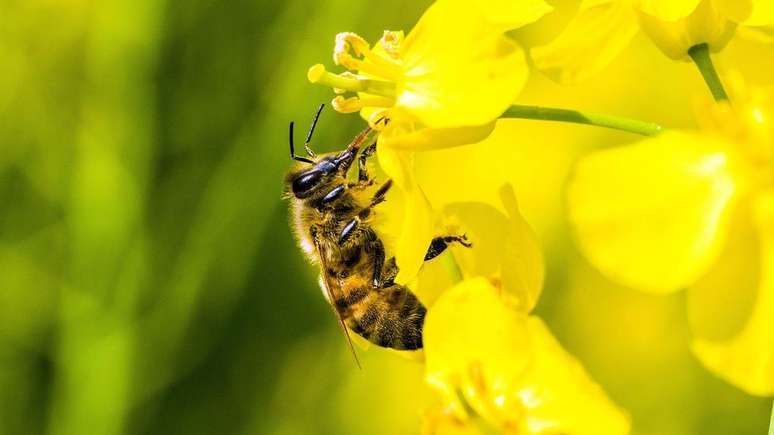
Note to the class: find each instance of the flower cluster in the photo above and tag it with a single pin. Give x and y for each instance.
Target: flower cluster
(601, 29)
(681, 209)
(698, 208)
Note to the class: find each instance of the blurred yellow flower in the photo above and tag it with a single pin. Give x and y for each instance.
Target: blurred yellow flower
(504, 365)
(671, 212)
(603, 28)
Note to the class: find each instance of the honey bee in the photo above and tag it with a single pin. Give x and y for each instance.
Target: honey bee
(332, 218)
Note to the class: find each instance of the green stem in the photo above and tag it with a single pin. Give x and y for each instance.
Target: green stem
(701, 57)
(771, 423)
(578, 117)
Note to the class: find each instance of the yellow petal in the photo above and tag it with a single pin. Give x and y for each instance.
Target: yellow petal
(560, 396)
(401, 135)
(510, 14)
(762, 34)
(735, 10)
(720, 303)
(762, 13)
(592, 39)
(523, 267)
(747, 361)
(417, 228)
(706, 25)
(651, 215)
(668, 10)
(453, 61)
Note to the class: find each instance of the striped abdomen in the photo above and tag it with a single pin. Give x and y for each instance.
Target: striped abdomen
(388, 317)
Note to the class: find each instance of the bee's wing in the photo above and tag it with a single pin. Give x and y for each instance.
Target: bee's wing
(330, 288)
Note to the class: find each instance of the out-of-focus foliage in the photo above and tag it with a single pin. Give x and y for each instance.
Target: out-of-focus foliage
(149, 283)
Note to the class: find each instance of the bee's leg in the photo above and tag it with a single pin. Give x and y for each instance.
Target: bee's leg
(377, 250)
(349, 230)
(389, 272)
(362, 170)
(377, 199)
(379, 195)
(439, 244)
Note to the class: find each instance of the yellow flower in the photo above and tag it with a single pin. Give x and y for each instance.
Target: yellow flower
(456, 58)
(694, 210)
(603, 28)
(508, 368)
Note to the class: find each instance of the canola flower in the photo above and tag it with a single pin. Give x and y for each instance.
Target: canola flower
(423, 85)
(682, 29)
(445, 84)
(694, 210)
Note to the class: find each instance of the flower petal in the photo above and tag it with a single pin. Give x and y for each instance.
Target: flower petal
(417, 229)
(668, 10)
(735, 10)
(762, 13)
(510, 14)
(762, 34)
(453, 61)
(400, 135)
(747, 361)
(707, 24)
(651, 215)
(720, 303)
(560, 396)
(592, 39)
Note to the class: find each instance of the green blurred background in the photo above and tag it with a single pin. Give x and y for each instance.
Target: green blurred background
(149, 283)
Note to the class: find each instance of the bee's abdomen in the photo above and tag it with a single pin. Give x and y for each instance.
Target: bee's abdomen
(389, 317)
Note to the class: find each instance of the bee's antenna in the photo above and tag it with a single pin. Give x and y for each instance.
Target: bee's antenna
(292, 151)
(309, 151)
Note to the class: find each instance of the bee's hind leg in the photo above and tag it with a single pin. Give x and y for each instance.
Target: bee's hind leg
(389, 272)
(439, 244)
(377, 250)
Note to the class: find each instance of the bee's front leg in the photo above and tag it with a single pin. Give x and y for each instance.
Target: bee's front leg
(362, 169)
(439, 244)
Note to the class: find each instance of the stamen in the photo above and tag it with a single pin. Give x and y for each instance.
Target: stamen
(346, 105)
(391, 43)
(352, 83)
(353, 104)
(371, 63)
(379, 119)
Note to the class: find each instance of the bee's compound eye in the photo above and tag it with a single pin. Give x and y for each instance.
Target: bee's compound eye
(305, 182)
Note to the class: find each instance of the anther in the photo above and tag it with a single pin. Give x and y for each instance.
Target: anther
(346, 105)
(391, 43)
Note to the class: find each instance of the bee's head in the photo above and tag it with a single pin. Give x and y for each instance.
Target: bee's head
(310, 180)
(307, 181)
